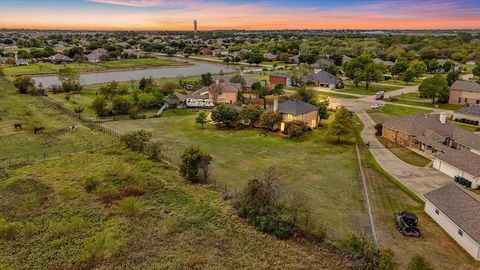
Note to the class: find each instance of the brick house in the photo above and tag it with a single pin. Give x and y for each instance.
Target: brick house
(223, 92)
(297, 110)
(464, 92)
(282, 79)
(431, 133)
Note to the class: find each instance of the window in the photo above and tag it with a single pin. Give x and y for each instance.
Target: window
(460, 232)
(459, 100)
(437, 212)
(466, 100)
(290, 117)
(478, 101)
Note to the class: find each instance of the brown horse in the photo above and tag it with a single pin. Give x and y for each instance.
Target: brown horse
(17, 126)
(38, 130)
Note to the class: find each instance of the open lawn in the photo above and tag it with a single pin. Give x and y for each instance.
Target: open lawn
(415, 99)
(402, 83)
(372, 89)
(324, 174)
(49, 68)
(379, 115)
(404, 153)
(22, 145)
(466, 127)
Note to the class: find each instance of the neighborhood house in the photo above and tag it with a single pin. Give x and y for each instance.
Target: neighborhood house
(469, 115)
(96, 55)
(297, 110)
(464, 92)
(60, 59)
(282, 79)
(457, 210)
(324, 79)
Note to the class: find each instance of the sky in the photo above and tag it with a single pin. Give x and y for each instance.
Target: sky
(238, 14)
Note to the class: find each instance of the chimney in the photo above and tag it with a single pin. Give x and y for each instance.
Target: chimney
(443, 117)
(275, 105)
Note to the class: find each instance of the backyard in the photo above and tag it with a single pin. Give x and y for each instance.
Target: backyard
(310, 167)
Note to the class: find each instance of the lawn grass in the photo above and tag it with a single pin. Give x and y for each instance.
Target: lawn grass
(84, 99)
(387, 110)
(49, 68)
(23, 145)
(466, 127)
(388, 196)
(405, 154)
(311, 166)
(415, 99)
(402, 83)
(372, 89)
(334, 94)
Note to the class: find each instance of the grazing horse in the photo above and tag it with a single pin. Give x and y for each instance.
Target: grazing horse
(72, 128)
(17, 126)
(38, 130)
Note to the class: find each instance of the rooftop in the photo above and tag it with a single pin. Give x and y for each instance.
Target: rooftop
(466, 161)
(470, 86)
(296, 107)
(471, 110)
(460, 205)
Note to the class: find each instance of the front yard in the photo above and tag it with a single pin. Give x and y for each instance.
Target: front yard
(415, 99)
(372, 89)
(322, 173)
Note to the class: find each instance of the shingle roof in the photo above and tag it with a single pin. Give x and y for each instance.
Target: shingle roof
(59, 57)
(323, 77)
(471, 110)
(420, 124)
(466, 161)
(296, 107)
(459, 205)
(470, 86)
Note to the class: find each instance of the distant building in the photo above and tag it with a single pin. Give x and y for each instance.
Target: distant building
(464, 92)
(195, 26)
(60, 59)
(469, 115)
(283, 79)
(324, 79)
(96, 55)
(297, 110)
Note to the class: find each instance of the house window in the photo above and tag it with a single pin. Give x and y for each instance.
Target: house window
(289, 117)
(478, 101)
(460, 232)
(466, 100)
(437, 212)
(459, 100)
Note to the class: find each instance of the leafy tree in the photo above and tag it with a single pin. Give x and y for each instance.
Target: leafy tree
(419, 262)
(323, 112)
(78, 110)
(452, 77)
(67, 75)
(24, 84)
(225, 115)
(332, 69)
(154, 150)
(136, 140)
(448, 66)
(337, 59)
(307, 58)
(255, 58)
(192, 160)
(354, 68)
(399, 68)
(99, 104)
(145, 83)
(371, 73)
(387, 260)
(418, 68)
(168, 88)
(434, 87)
(270, 119)
(201, 118)
(110, 90)
(409, 76)
(476, 71)
(342, 124)
(432, 65)
(307, 94)
(121, 105)
(278, 89)
(251, 113)
(206, 79)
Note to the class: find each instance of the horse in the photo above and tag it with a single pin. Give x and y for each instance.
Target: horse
(17, 126)
(38, 130)
(72, 128)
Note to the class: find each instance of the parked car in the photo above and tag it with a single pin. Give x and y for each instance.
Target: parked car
(380, 95)
(376, 106)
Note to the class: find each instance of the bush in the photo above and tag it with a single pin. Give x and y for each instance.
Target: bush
(121, 105)
(379, 129)
(295, 128)
(270, 119)
(130, 207)
(119, 183)
(24, 84)
(136, 140)
(363, 252)
(99, 105)
(387, 260)
(8, 230)
(419, 262)
(102, 245)
(192, 160)
(226, 116)
(90, 184)
(251, 113)
(154, 151)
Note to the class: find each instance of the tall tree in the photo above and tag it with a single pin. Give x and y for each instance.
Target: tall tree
(371, 73)
(201, 118)
(342, 124)
(434, 87)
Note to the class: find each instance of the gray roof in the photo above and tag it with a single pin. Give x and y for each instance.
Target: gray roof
(296, 107)
(466, 161)
(470, 86)
(60, 57)
(322, 77)
(459, 205)
(96, 54)
(424, 125)
(471, 110)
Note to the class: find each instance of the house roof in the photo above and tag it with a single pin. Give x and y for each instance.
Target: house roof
(466, 161)
(424, 125)
(459, 205)
(296, 107)
(323, 77)
(59, 57)
(96, 54)
(471, 110)
(386, 63)
(470, 86)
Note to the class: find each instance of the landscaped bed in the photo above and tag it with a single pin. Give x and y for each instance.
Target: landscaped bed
(310, 166)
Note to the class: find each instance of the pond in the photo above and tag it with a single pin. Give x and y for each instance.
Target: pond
(195, 68)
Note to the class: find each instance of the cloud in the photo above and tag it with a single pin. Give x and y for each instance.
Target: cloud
(134, 3)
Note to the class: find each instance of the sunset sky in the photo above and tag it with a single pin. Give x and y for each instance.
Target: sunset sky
(238, 14)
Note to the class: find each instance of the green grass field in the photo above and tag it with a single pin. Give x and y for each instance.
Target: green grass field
(415, 99)
(372, 89)
(379, 115)
(323, 173)
(49, 68)
(405, 154)
(22, 145)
